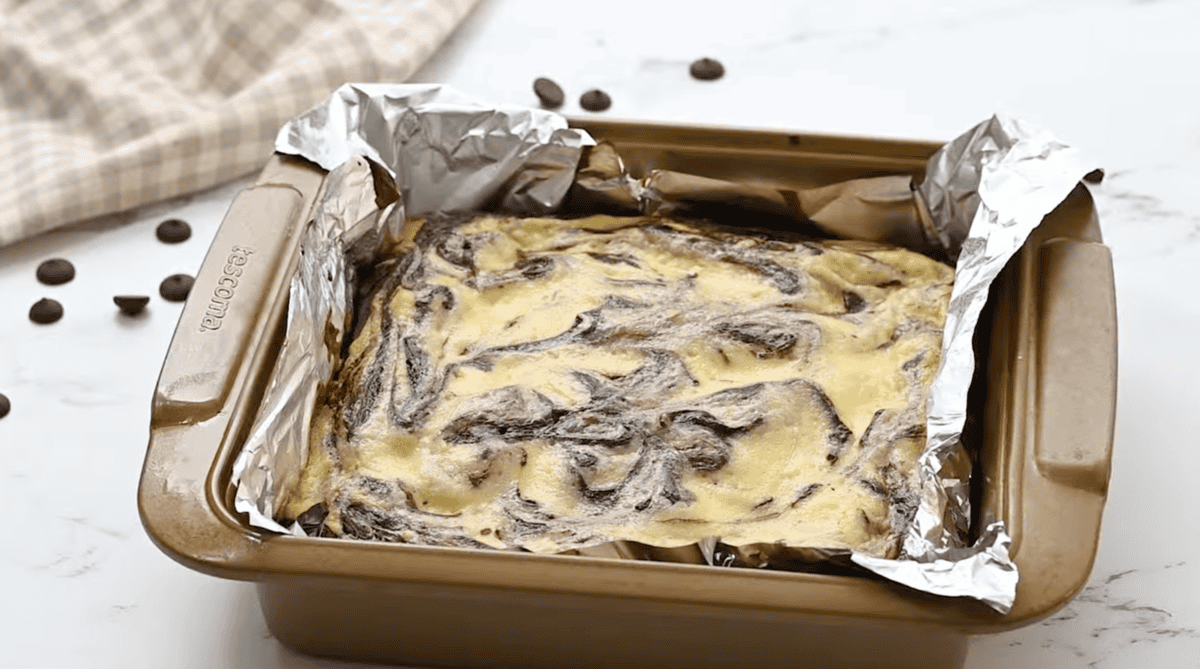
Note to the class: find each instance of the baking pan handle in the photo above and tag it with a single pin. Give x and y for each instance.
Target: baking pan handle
(1065, 482)
(214, 329)
(239, 291)
(1077, 364)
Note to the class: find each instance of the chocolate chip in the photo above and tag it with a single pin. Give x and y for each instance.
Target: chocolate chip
(854, 302)
(1094, 177)
(131, 305)
(176, 287)
(550, 93)
(45, 311)
(5, 406)
(313, 520)
(707, 69)
(173, 231)
(55, 271)
(595, 100)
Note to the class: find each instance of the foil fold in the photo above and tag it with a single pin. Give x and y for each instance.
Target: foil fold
(986, 191)
(981, 196)
(392, 151)
(395, 151)
(319, 305)
(879, 209)
(447, 152)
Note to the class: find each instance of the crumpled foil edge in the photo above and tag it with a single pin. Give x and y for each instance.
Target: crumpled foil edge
(318, 297)
(444, 152)
(987, 190)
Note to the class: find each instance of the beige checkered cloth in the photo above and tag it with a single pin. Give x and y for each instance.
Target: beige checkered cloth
(110, 104)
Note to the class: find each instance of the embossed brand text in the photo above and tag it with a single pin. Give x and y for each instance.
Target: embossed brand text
(227, 285)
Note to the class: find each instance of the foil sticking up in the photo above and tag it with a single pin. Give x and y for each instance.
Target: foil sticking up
(878, 209)
(982, 195)
(446, 151)
(392, 151)
(396, 151)
(318, 307)
(985, 192)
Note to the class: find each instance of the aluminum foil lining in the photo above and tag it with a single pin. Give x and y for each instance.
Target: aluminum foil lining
(985, 191)
(404, 150)
(391, 151)
(879, 209)
(982, 195)
(319, 304)
(446, 151)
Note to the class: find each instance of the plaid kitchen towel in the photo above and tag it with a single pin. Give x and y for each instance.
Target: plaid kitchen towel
(110, 104)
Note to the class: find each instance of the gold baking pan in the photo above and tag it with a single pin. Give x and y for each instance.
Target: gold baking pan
(1042, 413)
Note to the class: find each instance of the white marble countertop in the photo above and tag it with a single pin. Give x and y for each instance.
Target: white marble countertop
(83, 585)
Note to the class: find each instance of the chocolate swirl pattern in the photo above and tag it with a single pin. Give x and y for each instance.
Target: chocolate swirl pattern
(553, 385)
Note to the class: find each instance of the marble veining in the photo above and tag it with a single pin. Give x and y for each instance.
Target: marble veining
(1162, 230)
(78, 548)
(1106, 622)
